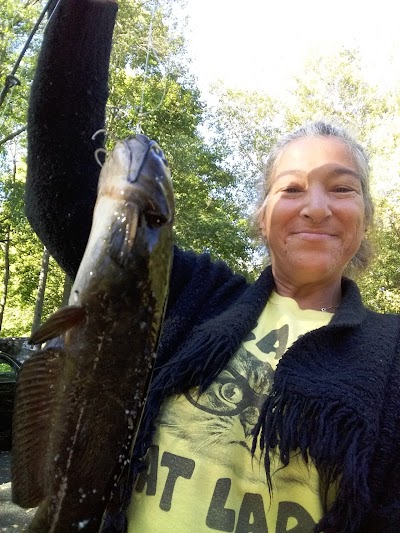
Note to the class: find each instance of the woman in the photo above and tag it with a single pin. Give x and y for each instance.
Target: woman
(275, 406)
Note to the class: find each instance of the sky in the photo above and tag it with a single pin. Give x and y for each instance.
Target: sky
(261, 44)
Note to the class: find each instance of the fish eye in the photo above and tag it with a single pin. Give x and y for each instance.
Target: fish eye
(155, 220)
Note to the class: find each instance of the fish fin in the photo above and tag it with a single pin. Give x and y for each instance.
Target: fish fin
(123, 235)
(59, 322)
(34, 401)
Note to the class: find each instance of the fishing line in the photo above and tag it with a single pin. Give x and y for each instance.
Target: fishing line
(150, 48)
(11, 79)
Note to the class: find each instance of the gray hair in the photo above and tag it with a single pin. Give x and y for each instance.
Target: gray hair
(362, 258)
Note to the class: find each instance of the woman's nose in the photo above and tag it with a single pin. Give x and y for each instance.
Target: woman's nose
(316, 205)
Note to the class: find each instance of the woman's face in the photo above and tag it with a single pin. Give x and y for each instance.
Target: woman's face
(314, 217)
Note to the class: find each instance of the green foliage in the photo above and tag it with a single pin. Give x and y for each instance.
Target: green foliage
(216, 155)
(380, 285)
(335, 89)
(25, 257)
(16, 22)
(19, 312)
(166, 103)
(244, 125)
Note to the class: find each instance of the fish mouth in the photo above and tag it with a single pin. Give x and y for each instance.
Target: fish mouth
(150, 148)
(149, 180)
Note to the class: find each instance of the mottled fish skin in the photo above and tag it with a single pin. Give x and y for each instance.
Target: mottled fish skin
(78, 406)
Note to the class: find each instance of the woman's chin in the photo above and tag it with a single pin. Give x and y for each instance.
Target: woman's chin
(306, 269)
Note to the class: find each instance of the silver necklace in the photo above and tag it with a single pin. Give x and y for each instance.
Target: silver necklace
(327, 308)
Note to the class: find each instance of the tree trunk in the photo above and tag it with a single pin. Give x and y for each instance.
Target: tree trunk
(6, 276)
(40, 292)
(66, 291)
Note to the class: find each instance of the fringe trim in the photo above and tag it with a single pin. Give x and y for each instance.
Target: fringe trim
(192, 366)
(337, 439)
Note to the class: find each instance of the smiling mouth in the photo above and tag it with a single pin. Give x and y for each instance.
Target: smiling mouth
(313, 235)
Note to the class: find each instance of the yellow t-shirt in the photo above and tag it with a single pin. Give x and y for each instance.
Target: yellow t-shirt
(201, 475)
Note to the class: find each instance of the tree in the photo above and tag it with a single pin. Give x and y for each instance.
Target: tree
(14, 25)
(332, 88)
(152, 84)
(245, 125)
(216, 155)
(380, 285)
(166, 104)
(5, 245)
(44, 269)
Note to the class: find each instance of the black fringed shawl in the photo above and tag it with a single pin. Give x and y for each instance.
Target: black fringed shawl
(330, 393)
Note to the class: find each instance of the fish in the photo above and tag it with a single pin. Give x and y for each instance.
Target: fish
(80, 398)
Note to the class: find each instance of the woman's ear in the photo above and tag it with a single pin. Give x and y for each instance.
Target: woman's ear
(261, 219)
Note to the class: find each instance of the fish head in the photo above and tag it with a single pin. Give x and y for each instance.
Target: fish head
(152, 175)
(135, 189)
(137, 171)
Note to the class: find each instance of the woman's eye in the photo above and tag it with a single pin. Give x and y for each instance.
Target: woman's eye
(343, 189)
(292, 189)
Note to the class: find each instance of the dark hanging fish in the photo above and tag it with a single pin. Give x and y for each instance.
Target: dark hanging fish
(78, 407)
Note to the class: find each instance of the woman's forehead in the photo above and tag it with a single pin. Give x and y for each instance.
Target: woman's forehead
(312, 152)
